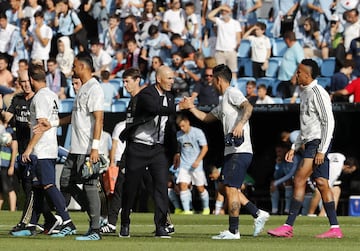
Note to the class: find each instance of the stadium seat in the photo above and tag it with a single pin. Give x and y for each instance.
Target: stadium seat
(119, 105)
(278, 100)
(327, 68)
(248, 72)
(270, 78)
(324, 82)
(278, 47)
(241, 83)
(66, 105)
(244, 48)
(116, 82)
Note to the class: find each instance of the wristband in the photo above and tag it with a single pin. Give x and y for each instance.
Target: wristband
(95, 144)
(55, 123)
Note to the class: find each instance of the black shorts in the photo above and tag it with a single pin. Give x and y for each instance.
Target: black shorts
(7, 182)
(310, 152)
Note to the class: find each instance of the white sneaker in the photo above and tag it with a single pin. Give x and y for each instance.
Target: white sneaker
(226, 235)
(259, 222)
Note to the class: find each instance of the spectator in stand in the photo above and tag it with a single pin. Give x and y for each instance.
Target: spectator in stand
(341, 79)
(314, 43)
(174, 19)
(6, 79)
(283, 15)
(55, 79)
(130, 31)
(118, 64)
(192, 25)
(68, 23)
(149, 17)
(6, 32)
(49, 14)
(19, 45)
(133, 56)
(41, 36)
(351, 27)
(13, 13)
(185, 48)
(109, 90)
(289, 63)
(263, 98)
(251, 92)
(102, 60)
(353, 88)
(353, 54)
(30, 10)
(157, 44)
(204, 90)
(155, 64)
(101, 13)
(180, 88)
(260, 48)
(112, 37)
(228, 37)
(335, 41)
(65, 57)
(321, 11)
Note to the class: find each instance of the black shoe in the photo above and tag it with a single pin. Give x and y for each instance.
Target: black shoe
(28, 231)
(124, 231)
(162, 233)
(18, 227)
(170, 229)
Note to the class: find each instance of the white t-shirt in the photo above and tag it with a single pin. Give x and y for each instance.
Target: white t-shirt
(267, 100)
(45, 104)
(89, 99)
(175, 20)
(336, 163)
(5, 37)
(102, 59)
(226, 34)
(191, 21)
(259, 48)
(40, 52)
(229, 114)
(120, 147)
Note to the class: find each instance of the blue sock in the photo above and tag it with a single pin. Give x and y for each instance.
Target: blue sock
(186, 199)
(173, 198)
(59, 202)
(288, 197)
(252, 209)
(233, 224)
(331, 212)
(275, 196)
(205, 199)
(293, 212)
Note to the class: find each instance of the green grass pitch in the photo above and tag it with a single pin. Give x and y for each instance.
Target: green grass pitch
(193, 232)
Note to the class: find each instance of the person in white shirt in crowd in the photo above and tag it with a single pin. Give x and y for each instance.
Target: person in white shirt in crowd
(41, 36)
(260, 48)
(228, 38)
(263, 98)
(174, 19)
(65, 56)
(30, 10)
(102, 60)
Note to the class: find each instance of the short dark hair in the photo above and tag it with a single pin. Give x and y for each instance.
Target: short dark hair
(313, 66)
(52, 60)
(37, 72)
(290, 35)
(251, 82)
(39, 13)
(23, 60)
(3, 15)
(105, 75)
(180, 117)
(190, 4)
(352, 161)
(134, 73)
(153, 29)
(3, 57)
(349, 63)
(175, 36)
(261, 25)
(223, 71)
(86, 58)
(262, 86)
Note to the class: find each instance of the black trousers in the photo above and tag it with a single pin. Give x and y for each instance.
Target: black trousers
(138, 157)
